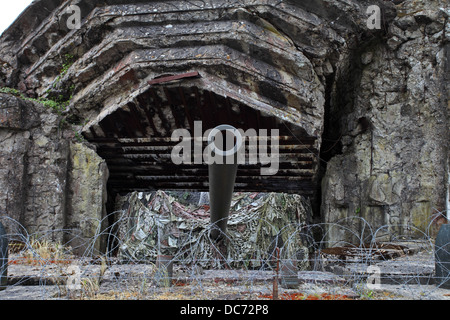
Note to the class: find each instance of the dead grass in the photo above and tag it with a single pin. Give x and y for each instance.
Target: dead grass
(41, 252)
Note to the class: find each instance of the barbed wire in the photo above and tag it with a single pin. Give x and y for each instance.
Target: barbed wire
(404, 265)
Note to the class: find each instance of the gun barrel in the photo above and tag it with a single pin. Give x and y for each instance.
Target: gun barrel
(222, 177)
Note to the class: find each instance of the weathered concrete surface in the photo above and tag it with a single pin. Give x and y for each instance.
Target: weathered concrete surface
(373, 103)
(52, 187)
(87, 198)
(391, 111)
(34, 168)
(16, 114)
(263, 51)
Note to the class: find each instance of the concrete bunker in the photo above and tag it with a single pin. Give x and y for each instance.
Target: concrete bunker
(311, 69)
(135, 140)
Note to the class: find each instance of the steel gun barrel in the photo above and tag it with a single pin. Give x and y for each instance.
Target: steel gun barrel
(222, 176)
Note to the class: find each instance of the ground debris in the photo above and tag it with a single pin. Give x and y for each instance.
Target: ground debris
(371, 251)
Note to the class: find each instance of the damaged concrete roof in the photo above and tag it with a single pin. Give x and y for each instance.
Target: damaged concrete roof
(258, 63)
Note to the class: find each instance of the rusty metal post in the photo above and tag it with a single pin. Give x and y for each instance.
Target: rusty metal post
(164, 270)
(222, 177)
(3, 258)
(275, 279)
(442, 257)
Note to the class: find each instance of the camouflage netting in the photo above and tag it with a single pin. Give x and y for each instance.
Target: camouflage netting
(159, 223)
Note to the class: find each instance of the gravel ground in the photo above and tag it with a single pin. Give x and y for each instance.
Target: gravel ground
(407, 277)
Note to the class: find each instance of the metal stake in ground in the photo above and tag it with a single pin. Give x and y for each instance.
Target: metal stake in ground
(3, 258)
(442, 257)
(277, 270)
(164, 270)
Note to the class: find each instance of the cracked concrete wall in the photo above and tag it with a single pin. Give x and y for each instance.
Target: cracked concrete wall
(51, 187)
(34, 157)
(394, 131)
(88, 175)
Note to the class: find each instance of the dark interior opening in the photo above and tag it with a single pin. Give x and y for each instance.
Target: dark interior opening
(136, 143)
